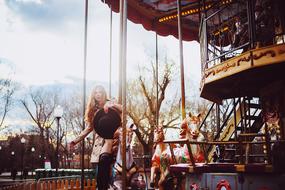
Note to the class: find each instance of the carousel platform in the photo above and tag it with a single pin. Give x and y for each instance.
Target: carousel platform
(222, 168)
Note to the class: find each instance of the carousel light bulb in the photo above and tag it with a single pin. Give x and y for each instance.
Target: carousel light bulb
(263, 131)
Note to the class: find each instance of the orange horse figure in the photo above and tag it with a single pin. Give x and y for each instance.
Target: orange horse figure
(160, 162)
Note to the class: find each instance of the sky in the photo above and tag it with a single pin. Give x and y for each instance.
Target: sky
(43, 41)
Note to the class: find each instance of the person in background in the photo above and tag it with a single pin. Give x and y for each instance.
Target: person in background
(14, 173)
(102, 116)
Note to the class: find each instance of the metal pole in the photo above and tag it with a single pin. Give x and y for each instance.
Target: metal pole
(46, 155)
(218, 117)
(110, 64)
(84, 92)
(124, 94)
(181, 61)
(1, 165)
(156, 78)
(32, 167)
(204, 16)
(120, 51)
(251, 23)
(22, 161)
(57, 145)
(13, 168)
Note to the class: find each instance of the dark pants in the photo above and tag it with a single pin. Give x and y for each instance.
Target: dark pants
(104, 168)
(95, 169)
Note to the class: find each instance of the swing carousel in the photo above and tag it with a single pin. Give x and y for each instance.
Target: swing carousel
(243, 62)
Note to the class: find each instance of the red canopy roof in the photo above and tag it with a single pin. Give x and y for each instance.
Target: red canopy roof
(160, 16)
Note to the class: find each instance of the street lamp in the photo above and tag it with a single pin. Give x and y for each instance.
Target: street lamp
(58, 112)
(13, 169)
(63, 162)
(1, 159)
(33, 150)
(23, 141)
(73, 155)
(1, 153)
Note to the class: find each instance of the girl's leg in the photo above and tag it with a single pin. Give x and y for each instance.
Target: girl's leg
(95, 169)
(104, 167)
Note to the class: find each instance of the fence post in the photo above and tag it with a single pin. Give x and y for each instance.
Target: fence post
(38, 185)
(33, 186)
(62, 184)
(44, 186)
(93, 184)
(57, 184)
(53, 185)
(77, 185)
(49, 184)
(88, 184)
(66, 184)
(71, 184)
(21, 186)
(25, 186)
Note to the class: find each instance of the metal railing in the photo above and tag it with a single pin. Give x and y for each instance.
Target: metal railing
(238, 25)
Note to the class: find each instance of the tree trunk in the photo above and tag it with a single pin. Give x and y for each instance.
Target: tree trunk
(147, 155)
(42, 146)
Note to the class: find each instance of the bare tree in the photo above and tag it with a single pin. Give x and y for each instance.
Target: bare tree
(142, 102)
(7, 89)
(40, 104)
(74, 113)
(72, 118)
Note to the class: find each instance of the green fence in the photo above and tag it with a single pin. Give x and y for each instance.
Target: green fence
(45, 173)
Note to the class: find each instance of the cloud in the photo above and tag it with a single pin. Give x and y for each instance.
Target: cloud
(45, 41)
(47, 14)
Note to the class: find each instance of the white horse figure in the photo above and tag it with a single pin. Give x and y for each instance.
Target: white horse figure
(190, 130)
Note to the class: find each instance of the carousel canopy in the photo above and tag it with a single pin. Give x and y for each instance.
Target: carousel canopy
(161, 16)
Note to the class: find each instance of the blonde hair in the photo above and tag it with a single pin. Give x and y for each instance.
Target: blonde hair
(93, 104)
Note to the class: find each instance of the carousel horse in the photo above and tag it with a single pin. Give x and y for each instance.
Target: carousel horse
(271, 117)
(190, 130)
(162, 158)
(131, 168)
(160, 162)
